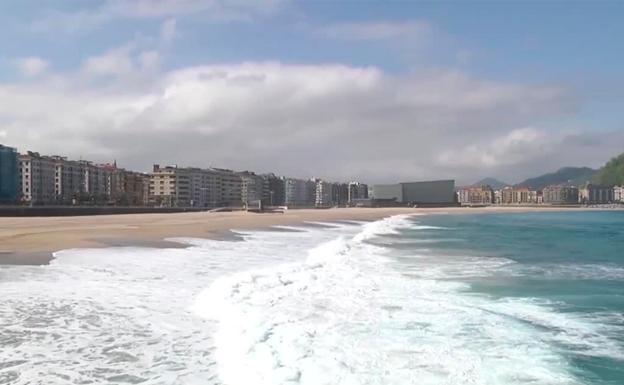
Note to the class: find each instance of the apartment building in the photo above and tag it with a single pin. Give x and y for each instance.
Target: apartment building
(560, 195)
(481, 195)
(173, 186)
(518, 195)
(324, 196)
(276, 191)
(254, 188)
(357, 191)
(595, 194)
(9, 175)
(618, 194)
(37, 179)
(299, 192)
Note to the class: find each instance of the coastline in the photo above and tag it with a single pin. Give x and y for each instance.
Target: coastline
(31, 241)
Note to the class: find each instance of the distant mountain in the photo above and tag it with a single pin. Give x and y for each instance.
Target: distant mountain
(612, 173)
(569, 175)
(492, 182)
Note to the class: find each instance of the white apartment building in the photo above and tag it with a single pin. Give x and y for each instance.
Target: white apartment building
(37, 179)
(323, 194)
(618, 194)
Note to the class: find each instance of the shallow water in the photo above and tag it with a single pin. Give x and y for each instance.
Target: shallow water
(478, 299)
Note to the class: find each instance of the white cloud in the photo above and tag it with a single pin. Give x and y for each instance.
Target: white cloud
(31, 66)
(332, 121)
(378, 30)
(168, 31)
(514, 147)
(117, 61)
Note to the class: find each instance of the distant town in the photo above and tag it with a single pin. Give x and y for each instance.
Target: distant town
(32, 179)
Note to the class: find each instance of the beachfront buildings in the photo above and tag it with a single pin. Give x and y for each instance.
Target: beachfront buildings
(323, 194)
(518, 195)
(299, 192)
(432, 193)
(37, 179)
(476, 195)
(173, 186)
(595, 194)
(276, 190)
(618, 194)
(560, 195)
(254, 188)
(9, 175)
(357, 191)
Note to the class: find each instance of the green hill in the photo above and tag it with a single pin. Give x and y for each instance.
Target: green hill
(566, 175)
(612, 173)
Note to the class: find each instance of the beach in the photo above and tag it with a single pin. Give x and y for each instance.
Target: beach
(33, 240)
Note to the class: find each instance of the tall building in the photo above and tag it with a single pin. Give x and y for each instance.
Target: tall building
(276, 191)
(254, 188)
(299, 192)
(560, 195)
(323, 194)
(595, 194)
(37, 179)
(481, 195)
(357, 191)
(230, 187)
(9, 175)
(340, 194)
(69, 181)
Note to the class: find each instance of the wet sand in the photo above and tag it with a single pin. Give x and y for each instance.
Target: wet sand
(33, 240)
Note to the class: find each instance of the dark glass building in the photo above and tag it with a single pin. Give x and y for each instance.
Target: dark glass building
(9, 175)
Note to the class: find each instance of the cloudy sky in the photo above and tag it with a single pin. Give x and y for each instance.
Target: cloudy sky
(378, 91)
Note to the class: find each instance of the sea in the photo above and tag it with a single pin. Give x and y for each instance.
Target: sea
(477, 299)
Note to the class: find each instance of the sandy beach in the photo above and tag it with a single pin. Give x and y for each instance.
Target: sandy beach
(33, 240)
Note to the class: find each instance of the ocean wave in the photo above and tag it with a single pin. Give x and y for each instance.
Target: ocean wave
(345, 316)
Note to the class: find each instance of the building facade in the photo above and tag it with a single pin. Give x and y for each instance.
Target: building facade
(37, 179)
(173, 186)
(299, 192)
(439, 192)
(518, 195)
(340, 194)
(560, 195)
(618, 194)
(276, 191)
(9, 175)
(482, 195)
(323, 196)
(357, 191)
(595, 194)
(254, 188)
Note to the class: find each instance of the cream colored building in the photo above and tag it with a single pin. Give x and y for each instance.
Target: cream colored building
(37, 179)
(174, 186)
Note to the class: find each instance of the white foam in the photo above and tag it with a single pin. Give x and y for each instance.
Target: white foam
(323, 306)
(345, 317)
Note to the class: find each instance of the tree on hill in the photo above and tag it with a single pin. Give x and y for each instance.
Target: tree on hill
(612, 174)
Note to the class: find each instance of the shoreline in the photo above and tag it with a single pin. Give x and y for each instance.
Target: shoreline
(32, 240)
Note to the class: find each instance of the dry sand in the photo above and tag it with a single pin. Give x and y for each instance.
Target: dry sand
(33, 240)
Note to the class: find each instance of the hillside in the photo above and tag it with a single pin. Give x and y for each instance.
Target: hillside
(611, 173)
(492, 182)
(569, 175)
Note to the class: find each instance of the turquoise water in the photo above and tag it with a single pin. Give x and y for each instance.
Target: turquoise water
(561, 275)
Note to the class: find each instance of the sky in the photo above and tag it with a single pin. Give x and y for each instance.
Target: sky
(377, 91)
